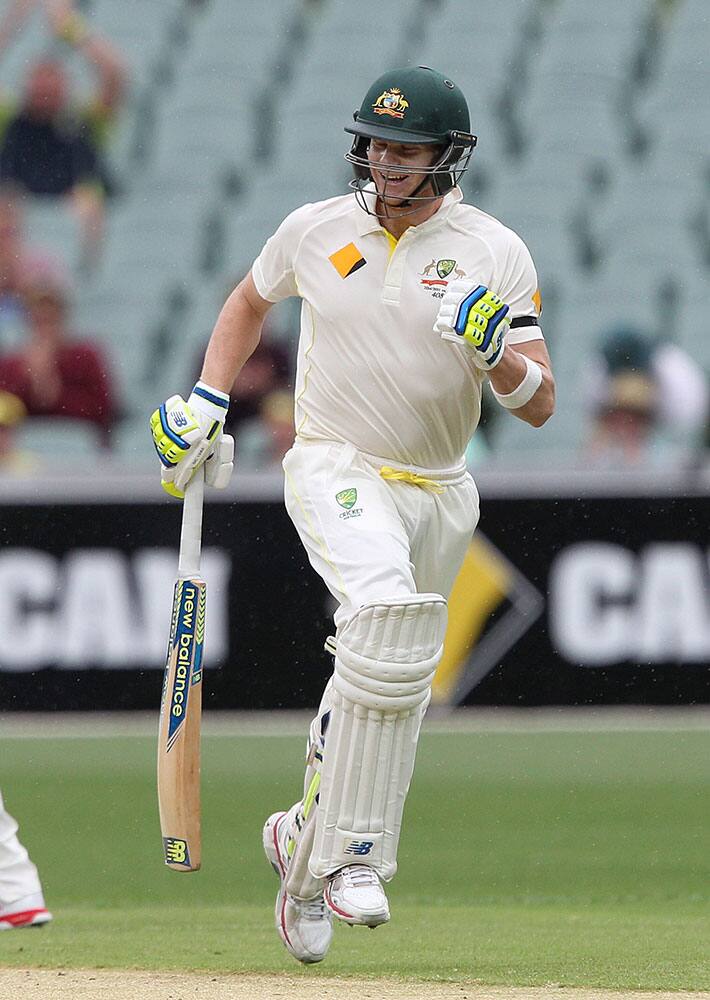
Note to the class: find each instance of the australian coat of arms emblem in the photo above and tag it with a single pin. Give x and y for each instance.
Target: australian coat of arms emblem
(391, 102)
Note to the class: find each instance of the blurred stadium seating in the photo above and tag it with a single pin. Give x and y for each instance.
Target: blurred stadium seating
(593, 145)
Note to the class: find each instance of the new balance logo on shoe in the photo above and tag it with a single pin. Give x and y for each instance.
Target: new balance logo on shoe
(359, 847)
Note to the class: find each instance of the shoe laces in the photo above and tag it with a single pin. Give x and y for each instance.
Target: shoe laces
(312, 909)
(359, 876)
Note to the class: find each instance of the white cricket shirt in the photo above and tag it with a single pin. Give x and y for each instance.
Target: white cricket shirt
(371, 371)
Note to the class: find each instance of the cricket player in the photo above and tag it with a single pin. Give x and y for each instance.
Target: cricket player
(21, 899)
(411, 301)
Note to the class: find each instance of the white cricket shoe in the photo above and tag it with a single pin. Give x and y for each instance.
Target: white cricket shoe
(355, 895)
(29, 911)
(304, 926)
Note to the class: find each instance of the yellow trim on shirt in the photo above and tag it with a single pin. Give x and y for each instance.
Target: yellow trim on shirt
(392, 240)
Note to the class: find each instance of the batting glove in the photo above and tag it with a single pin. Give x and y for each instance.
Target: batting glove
(188, 434)
(477, 317)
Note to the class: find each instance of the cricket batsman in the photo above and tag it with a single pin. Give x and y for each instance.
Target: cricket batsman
(411, 301)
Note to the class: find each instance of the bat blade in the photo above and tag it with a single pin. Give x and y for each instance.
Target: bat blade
(180, 723)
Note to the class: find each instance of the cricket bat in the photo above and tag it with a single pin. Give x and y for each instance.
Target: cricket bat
(181, 703)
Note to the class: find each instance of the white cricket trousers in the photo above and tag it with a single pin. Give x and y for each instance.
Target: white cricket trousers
(18, 876)
(370, 538)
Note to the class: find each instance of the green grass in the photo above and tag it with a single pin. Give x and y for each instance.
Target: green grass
(527, 858)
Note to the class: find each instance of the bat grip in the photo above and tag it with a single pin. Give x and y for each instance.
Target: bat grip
(191, 531)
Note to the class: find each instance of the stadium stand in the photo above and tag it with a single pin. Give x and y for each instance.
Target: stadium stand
(47, 438)
(55, 227)
(593, 144)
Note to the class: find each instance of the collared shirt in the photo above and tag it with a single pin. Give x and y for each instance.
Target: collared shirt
(371, 372)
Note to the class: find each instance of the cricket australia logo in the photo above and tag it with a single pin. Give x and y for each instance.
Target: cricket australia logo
(347, 500)
(434, 277)
(391, 102)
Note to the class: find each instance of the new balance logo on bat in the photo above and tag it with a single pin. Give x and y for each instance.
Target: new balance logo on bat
(176, 851)
(359, 847)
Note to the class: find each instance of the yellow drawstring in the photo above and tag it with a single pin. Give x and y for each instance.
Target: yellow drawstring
(404, 476)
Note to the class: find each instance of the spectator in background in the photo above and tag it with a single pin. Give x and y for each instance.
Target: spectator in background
(14, 16)
(56, 374)
(650, 402)
(48, 147)
(17, 263)
(13, 461)
(267, 371)
(264, 440)
(625, 421)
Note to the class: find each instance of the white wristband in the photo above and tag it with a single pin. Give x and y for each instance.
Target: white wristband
(210, 401)
(526, 390)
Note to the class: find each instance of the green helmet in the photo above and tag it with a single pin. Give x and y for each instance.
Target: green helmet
(415, 105)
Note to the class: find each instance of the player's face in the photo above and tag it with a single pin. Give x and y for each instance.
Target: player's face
(393, 168)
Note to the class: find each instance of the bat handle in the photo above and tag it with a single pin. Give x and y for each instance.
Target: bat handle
(191, 531)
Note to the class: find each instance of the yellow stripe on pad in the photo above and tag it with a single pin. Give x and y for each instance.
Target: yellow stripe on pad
(347, 259)
(311, 794)
(306, 807)
(482, 583)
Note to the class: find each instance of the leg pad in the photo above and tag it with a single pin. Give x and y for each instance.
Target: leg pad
(386, 657)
